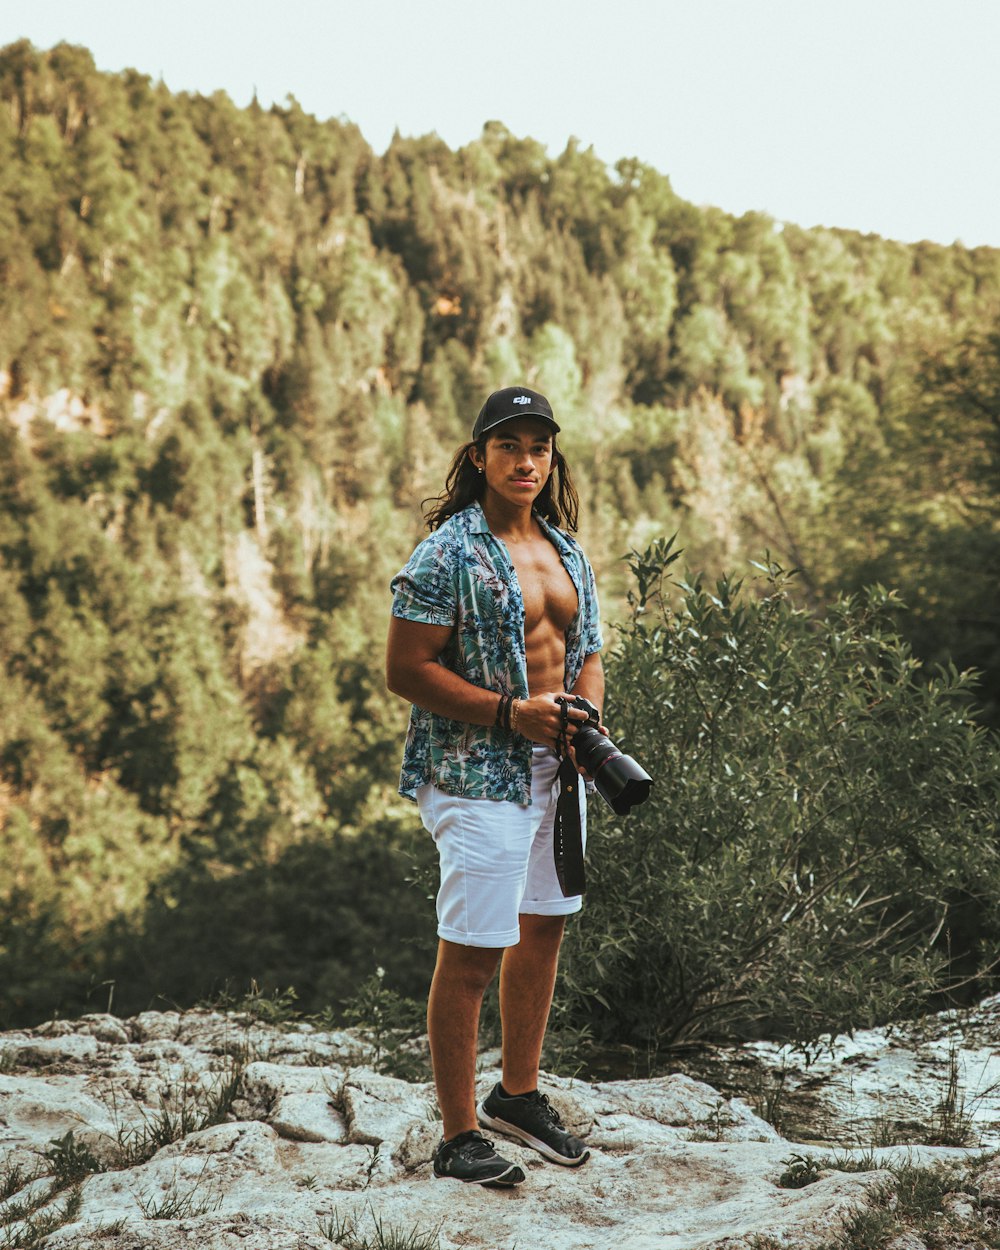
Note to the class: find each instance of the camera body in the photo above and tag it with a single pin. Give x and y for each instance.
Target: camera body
(620, 781)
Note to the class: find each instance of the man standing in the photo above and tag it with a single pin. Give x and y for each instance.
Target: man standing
(494, 620)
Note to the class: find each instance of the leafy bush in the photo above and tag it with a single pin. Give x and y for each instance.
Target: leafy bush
(800, 1171)
(821, 812)
(390, 1023)
(321, 916)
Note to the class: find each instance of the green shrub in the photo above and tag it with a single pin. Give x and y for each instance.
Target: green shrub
(821, 811)
(800, 1171)
(389, 1022)
(324, 913)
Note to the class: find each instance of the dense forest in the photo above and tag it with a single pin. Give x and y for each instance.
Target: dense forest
(238, 348)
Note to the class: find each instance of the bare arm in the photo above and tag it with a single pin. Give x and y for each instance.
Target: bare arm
(413, 672)
(590, 683)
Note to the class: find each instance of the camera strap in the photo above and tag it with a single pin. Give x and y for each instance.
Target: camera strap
(567, 836)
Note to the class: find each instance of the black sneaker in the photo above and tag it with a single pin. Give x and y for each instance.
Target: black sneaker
(470, 1157)
(531, 1118)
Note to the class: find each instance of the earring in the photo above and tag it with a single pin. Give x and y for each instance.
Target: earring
(479, 468)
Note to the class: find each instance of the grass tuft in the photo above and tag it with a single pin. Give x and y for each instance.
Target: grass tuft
(188, 1108)
(177, 1202)
(953, 1122)
(29, 1233)
(867, 1161)
(914, 1201)
(64, 1164)
(15, 1176)
(345, 1232)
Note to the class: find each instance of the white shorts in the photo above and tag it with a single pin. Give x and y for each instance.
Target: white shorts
(496, 858)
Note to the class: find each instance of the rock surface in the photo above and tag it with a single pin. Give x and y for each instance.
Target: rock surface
(213, 1130)
(936, 1079)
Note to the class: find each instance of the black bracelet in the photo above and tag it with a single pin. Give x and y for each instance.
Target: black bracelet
(503, 711)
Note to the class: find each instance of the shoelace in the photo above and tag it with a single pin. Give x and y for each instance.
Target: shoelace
(547, 1109)
(475, 1146)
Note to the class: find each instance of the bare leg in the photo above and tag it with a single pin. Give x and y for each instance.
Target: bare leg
(460, 979)
(527, 979)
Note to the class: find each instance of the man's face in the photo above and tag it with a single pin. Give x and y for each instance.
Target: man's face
(519, 459)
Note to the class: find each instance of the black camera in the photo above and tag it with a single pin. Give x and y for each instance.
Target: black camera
(619, 779)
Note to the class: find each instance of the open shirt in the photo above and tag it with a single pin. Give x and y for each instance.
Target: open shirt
(462, 576)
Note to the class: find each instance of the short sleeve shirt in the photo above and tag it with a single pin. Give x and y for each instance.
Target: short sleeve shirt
(462, 576)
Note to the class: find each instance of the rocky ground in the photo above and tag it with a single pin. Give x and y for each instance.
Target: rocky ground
(219, 1131)
(934, 1080)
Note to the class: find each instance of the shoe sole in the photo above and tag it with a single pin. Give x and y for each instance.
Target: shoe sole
(488, 1182)
(512, 1130)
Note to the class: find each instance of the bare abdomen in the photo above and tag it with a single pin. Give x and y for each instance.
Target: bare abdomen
(545, 649)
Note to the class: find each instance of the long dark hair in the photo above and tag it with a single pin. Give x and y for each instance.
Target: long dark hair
(558, 501)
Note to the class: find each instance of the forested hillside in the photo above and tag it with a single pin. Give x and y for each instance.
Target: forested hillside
(238, 348)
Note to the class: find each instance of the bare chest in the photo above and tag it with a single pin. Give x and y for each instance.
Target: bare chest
(546, 588)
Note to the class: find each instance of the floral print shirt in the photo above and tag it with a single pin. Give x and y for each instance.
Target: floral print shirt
(462, 576)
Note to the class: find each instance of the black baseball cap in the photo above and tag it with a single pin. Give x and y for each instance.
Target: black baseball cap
(511, 402)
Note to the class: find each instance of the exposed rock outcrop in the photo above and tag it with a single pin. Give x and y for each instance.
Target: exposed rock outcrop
(935, 1079)
(208, 1129)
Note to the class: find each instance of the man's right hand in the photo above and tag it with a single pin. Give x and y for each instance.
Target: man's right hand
(540, 718)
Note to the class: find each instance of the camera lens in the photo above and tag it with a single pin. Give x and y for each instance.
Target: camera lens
(620, 781)
(593, 748)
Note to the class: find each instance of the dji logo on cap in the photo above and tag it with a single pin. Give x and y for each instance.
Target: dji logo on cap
(521, 399)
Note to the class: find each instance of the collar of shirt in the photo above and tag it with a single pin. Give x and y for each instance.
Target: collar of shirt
(474, 520)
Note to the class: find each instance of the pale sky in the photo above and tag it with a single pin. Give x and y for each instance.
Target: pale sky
(877, 115)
